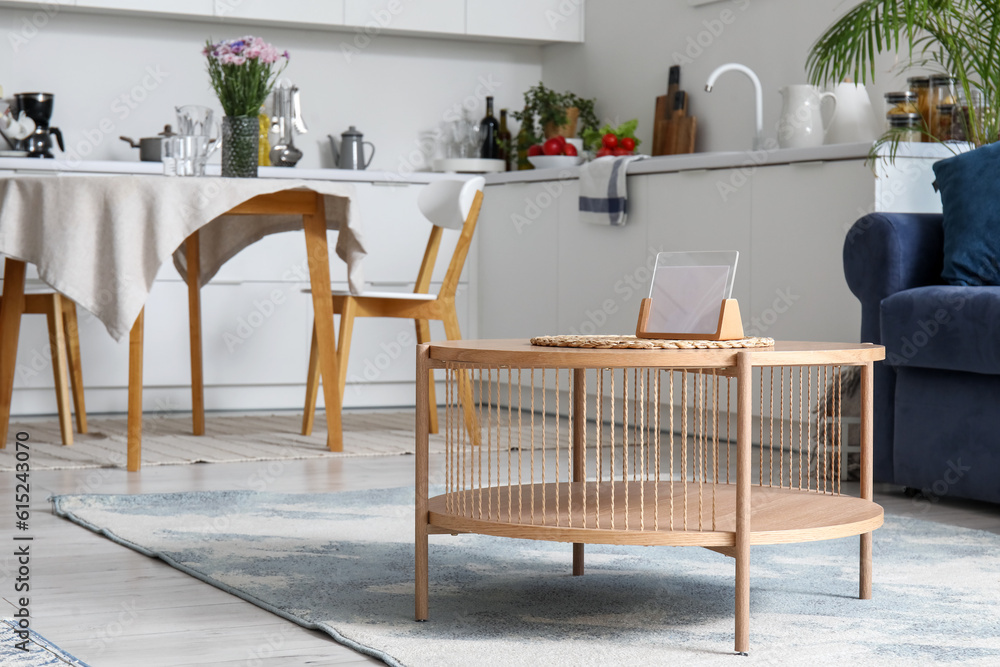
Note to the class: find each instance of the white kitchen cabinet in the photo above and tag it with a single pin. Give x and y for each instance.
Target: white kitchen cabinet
(184, 7)
(540, 20)
(325, 13)
(430, 16)
(603, 270)
(688, 212)
(801, 215)
(518, 265)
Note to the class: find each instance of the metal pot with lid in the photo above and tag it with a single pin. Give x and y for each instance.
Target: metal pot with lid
(150, 148)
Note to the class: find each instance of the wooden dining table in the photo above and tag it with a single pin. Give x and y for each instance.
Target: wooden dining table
(36, 228)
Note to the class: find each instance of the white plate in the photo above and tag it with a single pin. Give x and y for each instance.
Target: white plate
(13, 153)
(555, 161)
(469, 165)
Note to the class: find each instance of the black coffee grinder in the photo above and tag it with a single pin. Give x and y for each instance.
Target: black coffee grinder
(38, 107)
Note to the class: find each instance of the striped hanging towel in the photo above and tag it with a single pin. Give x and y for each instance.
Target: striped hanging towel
(603, 195)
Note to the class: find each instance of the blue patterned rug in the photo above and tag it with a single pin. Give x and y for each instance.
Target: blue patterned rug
(343, 563)
(33, 651)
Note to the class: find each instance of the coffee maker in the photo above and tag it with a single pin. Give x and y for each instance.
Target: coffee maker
(38, 107)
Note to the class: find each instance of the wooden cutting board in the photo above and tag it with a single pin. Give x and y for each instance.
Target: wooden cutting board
(675, 133)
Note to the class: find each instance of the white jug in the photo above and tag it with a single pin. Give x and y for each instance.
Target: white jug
(855, 121)
(801, 122)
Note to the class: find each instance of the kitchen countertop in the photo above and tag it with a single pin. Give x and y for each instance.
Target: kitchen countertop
(652, 165)
(731, 159)
(36, 165)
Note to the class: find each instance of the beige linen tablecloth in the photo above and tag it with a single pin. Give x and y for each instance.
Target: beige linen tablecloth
(100, 240)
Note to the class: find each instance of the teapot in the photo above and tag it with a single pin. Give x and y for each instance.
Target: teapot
(351, 153)
(855, 121)
(801, 122)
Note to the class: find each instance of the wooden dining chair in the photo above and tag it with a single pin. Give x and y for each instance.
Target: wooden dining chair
(447, 205)
(64, 341)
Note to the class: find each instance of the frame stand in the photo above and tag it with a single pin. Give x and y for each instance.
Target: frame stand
(730, 325)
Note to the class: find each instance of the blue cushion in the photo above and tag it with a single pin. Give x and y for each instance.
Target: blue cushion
(943, 326)
(970, 194)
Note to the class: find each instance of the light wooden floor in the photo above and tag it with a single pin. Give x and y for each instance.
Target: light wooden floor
(113, 607)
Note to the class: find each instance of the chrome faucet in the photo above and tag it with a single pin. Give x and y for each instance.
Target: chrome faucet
(758, 91)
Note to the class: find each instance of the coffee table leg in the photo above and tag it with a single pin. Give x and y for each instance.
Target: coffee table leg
(318, 255)
(11, 307)
(135, 394)
(421, 483)
(193, 251)
(867, 472)
(744, 430)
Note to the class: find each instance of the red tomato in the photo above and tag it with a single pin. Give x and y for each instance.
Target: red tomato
(610, 141)
(570, 150)
(628, 143)
(561, 139)
(552, 147)
(622, 151)
(605, 152)
(535, 150)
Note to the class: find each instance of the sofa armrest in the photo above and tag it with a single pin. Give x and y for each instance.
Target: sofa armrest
(885, 253)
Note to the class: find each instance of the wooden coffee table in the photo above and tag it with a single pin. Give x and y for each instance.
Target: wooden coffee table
(625, 469)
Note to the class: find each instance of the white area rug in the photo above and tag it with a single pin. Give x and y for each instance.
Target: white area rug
(167, 440)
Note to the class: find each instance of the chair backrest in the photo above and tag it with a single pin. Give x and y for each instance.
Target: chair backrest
(449, 205)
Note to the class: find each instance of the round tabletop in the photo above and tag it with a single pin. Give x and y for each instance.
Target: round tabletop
(521, 353)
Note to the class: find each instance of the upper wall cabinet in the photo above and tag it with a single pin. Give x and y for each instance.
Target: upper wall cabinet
(326, 13)
(533, 21)
(431, 16)
(184, 7)
(537, 20)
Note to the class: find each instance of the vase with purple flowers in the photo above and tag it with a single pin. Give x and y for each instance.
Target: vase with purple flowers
(243, 72)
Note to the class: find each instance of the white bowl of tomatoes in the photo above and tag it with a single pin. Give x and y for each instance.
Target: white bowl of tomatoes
(553, 154)
(554, 161)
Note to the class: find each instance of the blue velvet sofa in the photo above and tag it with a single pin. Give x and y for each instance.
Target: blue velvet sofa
(937, 394)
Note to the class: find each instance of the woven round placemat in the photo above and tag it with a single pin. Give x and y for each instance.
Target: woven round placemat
(633, 343)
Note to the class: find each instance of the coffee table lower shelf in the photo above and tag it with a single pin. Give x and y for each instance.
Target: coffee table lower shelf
(580, 512)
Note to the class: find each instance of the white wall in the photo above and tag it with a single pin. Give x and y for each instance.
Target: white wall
(631, 44)
(392, 91)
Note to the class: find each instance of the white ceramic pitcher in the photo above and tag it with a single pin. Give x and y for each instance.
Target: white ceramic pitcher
(801, 122)
(855, 121)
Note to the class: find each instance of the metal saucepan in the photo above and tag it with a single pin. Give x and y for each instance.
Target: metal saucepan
(150, 147)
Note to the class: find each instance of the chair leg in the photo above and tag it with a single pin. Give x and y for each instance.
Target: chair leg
(344, 345)
(312, 387)
(453, 332)
(57, 341)
(424, 336)
(75, 365)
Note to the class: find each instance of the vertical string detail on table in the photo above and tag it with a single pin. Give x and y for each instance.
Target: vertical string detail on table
(671, 455)
(520, 449)
(545, 429)
(656, 449)
(558, 443)
(510, 444)
(715, 440)
(625, 440)
(642, 448)
(583, 475)
(684, 443)
(781, 427)
(599, 419)
(611, 458)
(532, 459)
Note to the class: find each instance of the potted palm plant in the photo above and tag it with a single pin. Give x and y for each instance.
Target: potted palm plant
(958, 37)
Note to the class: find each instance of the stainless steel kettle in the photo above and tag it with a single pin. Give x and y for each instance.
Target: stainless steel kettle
(351, 152)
